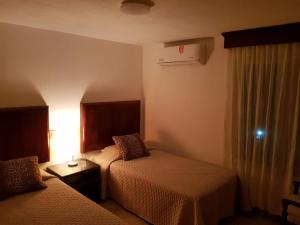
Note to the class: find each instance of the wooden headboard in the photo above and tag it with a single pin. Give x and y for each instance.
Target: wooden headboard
(24, 132)
(100, 121)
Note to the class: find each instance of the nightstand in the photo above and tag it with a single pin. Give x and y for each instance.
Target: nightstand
(85, 177)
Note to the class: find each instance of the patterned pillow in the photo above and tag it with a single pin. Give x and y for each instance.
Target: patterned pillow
(19, 176)
(131, 146)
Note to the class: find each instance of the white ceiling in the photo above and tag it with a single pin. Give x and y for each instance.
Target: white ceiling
(169, 20)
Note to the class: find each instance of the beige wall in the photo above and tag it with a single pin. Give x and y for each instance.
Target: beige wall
(185, 105)
(44, 67)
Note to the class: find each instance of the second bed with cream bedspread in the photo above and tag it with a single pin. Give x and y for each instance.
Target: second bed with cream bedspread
(166, 189)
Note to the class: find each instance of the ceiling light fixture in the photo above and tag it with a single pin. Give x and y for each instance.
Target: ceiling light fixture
(136, 7)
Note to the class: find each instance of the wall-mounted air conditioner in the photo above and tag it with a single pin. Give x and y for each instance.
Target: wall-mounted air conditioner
(182, 54)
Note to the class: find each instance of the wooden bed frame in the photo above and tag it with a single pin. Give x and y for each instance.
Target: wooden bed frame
(24, 132)
(102, 120)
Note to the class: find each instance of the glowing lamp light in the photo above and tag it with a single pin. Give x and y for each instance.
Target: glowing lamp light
(65, 135)
(260, 133)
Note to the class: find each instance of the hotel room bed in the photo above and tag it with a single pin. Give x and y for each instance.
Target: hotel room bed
(162, 188)
(23, 133)
(166, 189)
(58, 204)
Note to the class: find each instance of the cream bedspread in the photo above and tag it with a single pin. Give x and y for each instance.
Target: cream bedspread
(56, 205)
(165, 189)
(104, 158)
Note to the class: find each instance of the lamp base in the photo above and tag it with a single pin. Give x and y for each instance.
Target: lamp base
(72, 163)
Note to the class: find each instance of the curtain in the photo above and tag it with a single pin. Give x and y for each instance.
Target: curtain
(262, 121)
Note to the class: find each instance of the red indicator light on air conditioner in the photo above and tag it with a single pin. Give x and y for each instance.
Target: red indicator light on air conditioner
(181, 49)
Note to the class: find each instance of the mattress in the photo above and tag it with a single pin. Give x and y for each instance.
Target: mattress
(166, 189)
(58, 204)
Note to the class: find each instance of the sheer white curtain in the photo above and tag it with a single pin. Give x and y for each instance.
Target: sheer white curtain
(262, 121)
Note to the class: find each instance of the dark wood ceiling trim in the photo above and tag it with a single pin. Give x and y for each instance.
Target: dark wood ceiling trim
(285, 33)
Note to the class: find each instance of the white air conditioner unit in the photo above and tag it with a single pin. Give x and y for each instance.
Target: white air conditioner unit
(182, 54)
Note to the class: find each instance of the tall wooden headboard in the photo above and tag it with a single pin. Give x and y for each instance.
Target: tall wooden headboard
(102, 120)
(24, 132)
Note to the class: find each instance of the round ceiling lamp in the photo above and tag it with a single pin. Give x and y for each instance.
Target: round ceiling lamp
(136, 7)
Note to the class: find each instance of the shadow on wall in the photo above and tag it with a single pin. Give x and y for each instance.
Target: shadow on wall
(168, 143)
(19, 93)
(108, 93)
(209, 45)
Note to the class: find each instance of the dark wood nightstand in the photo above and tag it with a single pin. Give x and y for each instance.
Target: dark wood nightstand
(85, 177)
